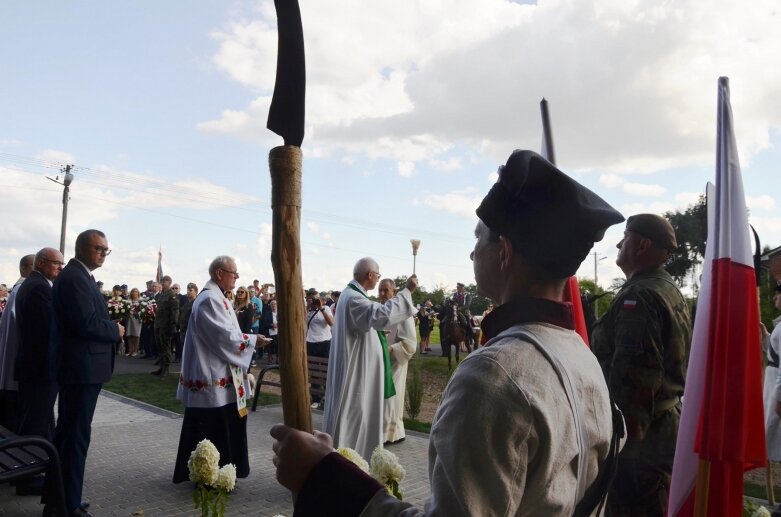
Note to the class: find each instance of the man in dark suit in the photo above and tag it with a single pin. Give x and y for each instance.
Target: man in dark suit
(86, 337)
(34, 367)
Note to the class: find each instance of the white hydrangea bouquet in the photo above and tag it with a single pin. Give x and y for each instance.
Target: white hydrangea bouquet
(118, 308)
(212, 482)
(383, 466)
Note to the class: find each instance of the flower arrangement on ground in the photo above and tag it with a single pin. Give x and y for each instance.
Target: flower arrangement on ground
(145, 310)
(383, 466)
(752, 509)
(212, 482)
(119, 308)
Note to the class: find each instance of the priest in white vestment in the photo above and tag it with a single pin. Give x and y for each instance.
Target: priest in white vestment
(402, 344)
(356, 386)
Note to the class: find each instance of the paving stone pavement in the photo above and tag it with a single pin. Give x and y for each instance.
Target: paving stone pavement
(132, 454)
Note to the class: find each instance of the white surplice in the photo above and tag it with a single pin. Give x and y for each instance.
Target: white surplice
(354, 406)
(772, 394)
(402, 343)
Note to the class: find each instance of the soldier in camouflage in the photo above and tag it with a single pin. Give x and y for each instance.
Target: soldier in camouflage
(166, 319)
(642, 344)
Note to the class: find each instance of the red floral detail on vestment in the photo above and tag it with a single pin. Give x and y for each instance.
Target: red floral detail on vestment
(241, 391)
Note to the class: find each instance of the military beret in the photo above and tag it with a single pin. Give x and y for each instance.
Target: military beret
(552, 219)
(312, 292)
(653, 227)
(459, 284)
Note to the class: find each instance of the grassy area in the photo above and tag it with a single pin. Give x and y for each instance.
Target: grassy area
(160, 392)
(414, 425)
(754, 490)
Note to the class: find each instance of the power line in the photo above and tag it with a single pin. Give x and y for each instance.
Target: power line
(127, 182)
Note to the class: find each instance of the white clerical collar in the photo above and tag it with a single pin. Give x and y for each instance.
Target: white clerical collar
(212, 285)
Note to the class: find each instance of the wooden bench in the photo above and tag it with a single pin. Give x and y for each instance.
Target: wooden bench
(317, 370)
(24, 456)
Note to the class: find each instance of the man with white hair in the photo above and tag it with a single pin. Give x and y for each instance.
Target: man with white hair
(359, 370)
(402, 344)
(213, 384)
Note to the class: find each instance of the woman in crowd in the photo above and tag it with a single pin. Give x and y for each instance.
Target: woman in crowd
(245, 311)
(426, 317)
(133, 329)
(273, 332)
(229, 295)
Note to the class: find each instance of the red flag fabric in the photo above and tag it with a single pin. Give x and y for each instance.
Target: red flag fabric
(572, 289)
(572, 295)
(722, 420)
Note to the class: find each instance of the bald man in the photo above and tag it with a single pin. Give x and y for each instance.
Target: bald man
(359, 371)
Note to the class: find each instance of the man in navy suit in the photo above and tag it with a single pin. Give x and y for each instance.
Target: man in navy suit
(34, 366)
(86, 336)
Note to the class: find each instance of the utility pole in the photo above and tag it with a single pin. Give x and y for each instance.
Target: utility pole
(66, 181)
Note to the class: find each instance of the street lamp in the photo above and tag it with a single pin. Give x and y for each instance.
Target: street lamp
(66, 181)
(596, 261)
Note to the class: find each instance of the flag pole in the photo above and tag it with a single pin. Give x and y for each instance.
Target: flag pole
(547, 133)
(702, 489)
(572, 288)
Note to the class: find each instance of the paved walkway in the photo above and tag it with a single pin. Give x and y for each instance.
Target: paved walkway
(133, 450)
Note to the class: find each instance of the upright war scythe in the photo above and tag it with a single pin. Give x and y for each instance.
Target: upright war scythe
(286, 118)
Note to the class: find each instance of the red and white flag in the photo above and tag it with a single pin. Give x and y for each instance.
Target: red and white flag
(572, 289)
(722, 421)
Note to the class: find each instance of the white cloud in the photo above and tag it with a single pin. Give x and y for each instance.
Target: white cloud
(642, 189)
(611, 180)
(313, 227)
(763, 202)
(405, 169)
(446, 165)
(493, 177)
(463, 203)
(56, 157)
(686, 199)
(631, 86)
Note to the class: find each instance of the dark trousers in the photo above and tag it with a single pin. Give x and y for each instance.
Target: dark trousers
(163, 340)
(317, 349)
(72, 436)
(36, 408)
(148, 341)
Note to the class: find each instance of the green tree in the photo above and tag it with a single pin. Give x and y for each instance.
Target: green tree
(691, 232)
(479, 302)
(595, 293)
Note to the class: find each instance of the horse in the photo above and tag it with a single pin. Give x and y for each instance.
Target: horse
(451, 333)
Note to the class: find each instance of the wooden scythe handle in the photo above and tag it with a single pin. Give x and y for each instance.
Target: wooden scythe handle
(285, 167)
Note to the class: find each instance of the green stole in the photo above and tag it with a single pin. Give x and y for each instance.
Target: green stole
(390, 389)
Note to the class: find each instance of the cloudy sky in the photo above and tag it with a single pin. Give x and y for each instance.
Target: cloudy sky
(411, 107)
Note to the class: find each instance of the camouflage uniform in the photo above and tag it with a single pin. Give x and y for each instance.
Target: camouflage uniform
(166, 319)
(642, 344)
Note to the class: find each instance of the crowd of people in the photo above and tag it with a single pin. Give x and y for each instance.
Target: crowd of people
(532, 423)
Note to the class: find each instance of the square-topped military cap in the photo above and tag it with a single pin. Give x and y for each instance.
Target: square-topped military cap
(552, 219)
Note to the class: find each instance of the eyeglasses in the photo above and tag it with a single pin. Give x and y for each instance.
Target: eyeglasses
(377, 273)
(102, 250)
(59, 263)
(234, 273)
